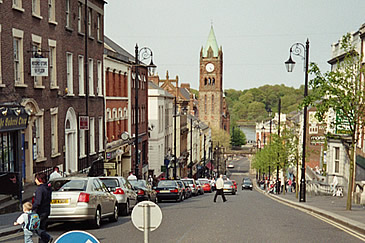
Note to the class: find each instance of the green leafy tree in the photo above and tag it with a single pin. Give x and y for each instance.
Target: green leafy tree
(342, 90)
(238, 137)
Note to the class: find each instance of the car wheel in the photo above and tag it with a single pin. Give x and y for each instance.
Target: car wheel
(126, 209)
(114, 218)
(96, 222)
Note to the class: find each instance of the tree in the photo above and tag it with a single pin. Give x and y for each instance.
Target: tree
(341, 90)
(238, 138)
(220, 136)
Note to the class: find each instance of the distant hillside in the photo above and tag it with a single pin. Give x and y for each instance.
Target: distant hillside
(252, 104)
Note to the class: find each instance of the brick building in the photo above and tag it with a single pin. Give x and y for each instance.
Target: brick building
(55, 30)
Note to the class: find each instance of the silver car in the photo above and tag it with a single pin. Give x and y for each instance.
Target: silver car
(82, 199)
(123, 191)
(229, 187)
(193, 186)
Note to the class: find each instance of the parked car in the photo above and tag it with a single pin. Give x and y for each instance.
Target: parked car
(205, 184)
(143, 190)
(82, 199)
(247, 184)
(184, 188)
(169, 190)
(193, 186)
(188, 189)
(235, 185)
(230, 166)
(229, 187)
(200, 187)
(123, 191)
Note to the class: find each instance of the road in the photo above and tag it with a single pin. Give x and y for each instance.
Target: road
(249, 216)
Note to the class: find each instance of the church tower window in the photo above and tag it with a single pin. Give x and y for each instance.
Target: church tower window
(212, 103)
(205, 104)
(213, 81)
(205, 81)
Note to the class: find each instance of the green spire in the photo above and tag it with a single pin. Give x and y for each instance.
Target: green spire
(211, 42)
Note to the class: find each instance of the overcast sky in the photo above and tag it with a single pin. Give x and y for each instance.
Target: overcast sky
(255, 35)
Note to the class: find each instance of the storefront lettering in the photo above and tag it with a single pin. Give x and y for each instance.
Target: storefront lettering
(13, 122)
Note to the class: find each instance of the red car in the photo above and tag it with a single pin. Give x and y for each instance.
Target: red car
(206, 185)
(235, 185)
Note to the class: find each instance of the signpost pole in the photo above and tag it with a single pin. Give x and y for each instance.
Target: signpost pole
(146, 225)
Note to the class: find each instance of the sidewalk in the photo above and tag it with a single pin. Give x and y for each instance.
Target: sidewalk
(333, 208)
(7, 219)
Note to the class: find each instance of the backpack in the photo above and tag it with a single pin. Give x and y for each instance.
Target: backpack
(33, 222)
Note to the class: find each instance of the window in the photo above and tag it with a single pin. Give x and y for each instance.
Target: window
(69, 73)
(98, 28)
(91, 77)
(79, 18)
(89, 21)
(68, 14)
(205, 103)
(125, 113)
(36, 51)
(81, 76)
(36, 8)
(51, 11)
(38, 146)
(212, 104)
(52, 64)
(101, 134)
(54, 132)
(115, 115)
(18, 57)
(92, 135)
(337, 159)
(82, 143)
(108, 114)
(100, 73)
(120, 111)
(17, 5)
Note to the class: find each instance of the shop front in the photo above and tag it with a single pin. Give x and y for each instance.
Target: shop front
(13, 121)
(117, 161)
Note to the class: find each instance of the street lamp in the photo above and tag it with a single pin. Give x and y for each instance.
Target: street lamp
(270, 113)
(297, 50)
(140, 55)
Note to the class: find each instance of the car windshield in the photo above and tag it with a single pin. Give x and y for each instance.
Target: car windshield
(204, 182)
(68, 185)
(188, 181)
(110, 182)
(228, 182)
(138, 183)
(167, 184)
(247, 182)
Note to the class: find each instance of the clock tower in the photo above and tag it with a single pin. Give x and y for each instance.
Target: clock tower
(211, 83)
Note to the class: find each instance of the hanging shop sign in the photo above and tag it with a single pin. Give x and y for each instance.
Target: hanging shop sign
(84, 122)
(317, 140)
(39, 67)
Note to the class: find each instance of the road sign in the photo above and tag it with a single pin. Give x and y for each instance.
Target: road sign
(146, 216)
(77, 236)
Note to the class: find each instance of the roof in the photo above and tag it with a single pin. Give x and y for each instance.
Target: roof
(185, 93)
(123, 54)
(211, 42)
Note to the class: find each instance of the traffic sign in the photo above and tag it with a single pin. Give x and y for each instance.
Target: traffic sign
(77, 236)
(149, 211)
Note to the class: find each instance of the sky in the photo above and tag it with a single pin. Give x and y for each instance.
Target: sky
(255, 35)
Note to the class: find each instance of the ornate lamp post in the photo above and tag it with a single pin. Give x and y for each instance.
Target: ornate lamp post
(270, 113)
(140, 55)
(297, 49)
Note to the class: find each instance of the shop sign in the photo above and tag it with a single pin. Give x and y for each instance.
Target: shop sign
(12, 122)
(317, 140)
(39, 67)
(84, 122)
(109, 165)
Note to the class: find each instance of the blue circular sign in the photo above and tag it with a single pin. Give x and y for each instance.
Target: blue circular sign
(77, 236)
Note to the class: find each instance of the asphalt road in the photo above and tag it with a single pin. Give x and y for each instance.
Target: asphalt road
(249, 216)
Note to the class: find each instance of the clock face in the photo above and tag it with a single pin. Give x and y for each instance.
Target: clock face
(209, 67)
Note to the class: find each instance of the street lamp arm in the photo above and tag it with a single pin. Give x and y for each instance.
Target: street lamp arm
(145, 53)
(298, 49)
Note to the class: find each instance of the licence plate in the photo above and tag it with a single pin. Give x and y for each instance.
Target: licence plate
(165, 191)
(60, 201)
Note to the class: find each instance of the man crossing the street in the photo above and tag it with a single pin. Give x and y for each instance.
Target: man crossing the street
(219, 184)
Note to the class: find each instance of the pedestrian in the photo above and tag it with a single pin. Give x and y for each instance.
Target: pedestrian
(219, 184)
(42, 205)
(23, 220)
(150, 180)
(131, 177)
(55, 173)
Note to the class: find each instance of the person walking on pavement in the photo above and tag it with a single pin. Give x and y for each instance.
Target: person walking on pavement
(55, 174)
(219, 184)
(131, 177)
(334, 185)
(42, 205)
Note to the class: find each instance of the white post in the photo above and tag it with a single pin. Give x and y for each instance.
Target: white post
(146, 217)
